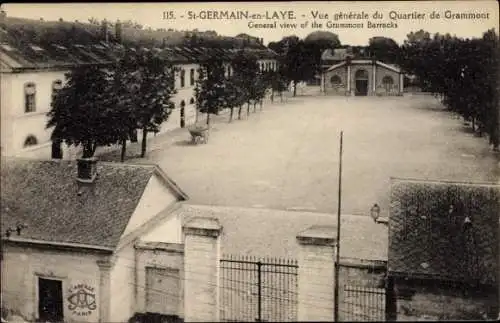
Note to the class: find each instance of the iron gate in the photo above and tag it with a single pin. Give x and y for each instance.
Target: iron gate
(261, 290)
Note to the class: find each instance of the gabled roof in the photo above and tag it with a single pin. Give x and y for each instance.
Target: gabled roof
(428, 237)
(44, 195)
(365, 62)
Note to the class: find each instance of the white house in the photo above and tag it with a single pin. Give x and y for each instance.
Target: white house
(70, 232)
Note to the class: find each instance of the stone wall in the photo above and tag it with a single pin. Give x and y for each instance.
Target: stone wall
(432, 300)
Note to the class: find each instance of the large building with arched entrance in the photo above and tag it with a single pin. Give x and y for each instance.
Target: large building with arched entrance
(361, 78)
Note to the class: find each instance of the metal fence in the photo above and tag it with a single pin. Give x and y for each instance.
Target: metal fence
(254, 289)
(367, 304)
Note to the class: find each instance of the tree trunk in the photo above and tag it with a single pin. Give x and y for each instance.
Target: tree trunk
(473, 124)
(239, 112)
(231, 114)
(272, 96)
(294, 88)
(254, 106)
(144, 142)
(124, 150)
(248, 108)
(208, 118)
(281, 96)
(261, 103)
(87, 150)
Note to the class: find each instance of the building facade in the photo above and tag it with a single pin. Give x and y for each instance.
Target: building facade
(31, 74)
(362, 78)
(70, 254)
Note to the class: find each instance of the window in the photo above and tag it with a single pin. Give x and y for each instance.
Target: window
(336, 80)
(191, 101)
(56, 87)
(191, 76)
(29, 97)
(387, 82)
(183, 76)
(30, 141)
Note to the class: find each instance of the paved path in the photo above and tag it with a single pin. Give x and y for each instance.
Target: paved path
(286, 156)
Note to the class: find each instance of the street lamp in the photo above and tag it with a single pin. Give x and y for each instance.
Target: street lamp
(375, 212)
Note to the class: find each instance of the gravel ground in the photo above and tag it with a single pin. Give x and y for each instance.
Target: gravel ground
(286, 156)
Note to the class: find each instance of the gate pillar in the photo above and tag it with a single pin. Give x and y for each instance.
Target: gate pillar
(316, 263)
(201, 269)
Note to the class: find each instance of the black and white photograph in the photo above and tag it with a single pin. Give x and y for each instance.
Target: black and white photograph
(326, 161)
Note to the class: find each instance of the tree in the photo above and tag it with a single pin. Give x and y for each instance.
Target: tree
(152, 88)
(261, 86)
(316, 43)
(123, 94)
(245, 71)
(82, 112)
(299, 64)
(384, 49)
(450, 67)
(234, 95)
(210, 92)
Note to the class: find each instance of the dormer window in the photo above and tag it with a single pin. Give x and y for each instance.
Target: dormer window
(29, 97)
(60, 47)
(36, 48)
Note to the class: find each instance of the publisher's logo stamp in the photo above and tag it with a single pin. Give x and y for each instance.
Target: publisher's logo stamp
(82, 300)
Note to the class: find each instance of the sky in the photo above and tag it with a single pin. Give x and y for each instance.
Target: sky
(399, 17)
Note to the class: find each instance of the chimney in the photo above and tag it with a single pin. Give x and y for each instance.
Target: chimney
(118, 31)
(87, 170)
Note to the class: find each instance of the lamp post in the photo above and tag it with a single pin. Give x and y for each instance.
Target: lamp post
(337, 253)
(375, 212)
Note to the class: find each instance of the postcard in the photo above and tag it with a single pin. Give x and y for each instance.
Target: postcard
(250, 161)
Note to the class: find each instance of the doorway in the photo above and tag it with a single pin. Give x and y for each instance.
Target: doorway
(50, 300)
(361, 78)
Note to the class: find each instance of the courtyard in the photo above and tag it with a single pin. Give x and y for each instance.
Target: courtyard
(286, 156)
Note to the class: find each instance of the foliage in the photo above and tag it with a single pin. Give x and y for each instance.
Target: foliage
(82, 113)
(210, 89)
(103, 107)
(463, 72)
(384, 49)
(246, 70)
(152, 86)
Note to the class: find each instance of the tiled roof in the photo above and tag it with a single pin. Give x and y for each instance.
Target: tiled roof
(43, 195)
(272, 233)
(33, 44)
(428, 237)
(337, 54)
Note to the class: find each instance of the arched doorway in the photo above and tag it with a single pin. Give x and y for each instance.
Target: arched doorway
(361, 78)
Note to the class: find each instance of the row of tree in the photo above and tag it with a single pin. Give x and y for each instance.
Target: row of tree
(100, 107)
(106, 106)
(463, 72)
(246, 84)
